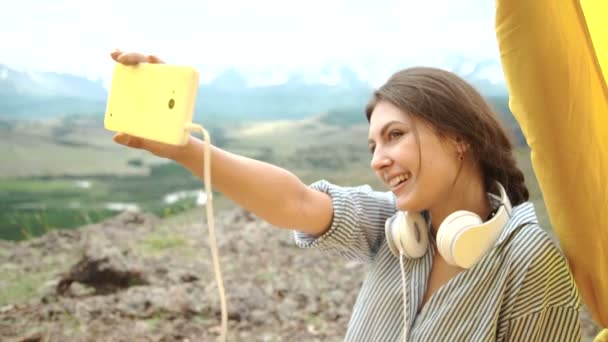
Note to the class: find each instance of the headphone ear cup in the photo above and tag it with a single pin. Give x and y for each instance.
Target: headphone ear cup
(450, 230)
(407, 233)
(391, 229)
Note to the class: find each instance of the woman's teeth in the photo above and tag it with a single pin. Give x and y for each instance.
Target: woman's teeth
(397, 180)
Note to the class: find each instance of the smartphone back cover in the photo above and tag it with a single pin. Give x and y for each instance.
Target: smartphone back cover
(152, 101)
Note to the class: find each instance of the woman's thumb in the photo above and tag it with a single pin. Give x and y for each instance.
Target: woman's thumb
(127, 140)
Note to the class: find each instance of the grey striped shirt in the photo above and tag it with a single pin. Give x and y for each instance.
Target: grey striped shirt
(522, 290)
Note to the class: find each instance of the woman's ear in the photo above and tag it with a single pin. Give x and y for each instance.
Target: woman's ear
(460, 145)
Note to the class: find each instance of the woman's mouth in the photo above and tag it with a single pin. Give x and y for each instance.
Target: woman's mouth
(399, 181)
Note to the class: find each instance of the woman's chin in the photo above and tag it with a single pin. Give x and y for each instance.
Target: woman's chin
(406, 204)
(406, 197)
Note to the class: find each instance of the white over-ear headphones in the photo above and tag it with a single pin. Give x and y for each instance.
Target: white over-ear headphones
(462, 238)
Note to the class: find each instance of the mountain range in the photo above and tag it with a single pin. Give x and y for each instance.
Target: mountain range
(27, 95)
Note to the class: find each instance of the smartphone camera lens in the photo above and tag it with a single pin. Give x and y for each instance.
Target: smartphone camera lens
(171, 104)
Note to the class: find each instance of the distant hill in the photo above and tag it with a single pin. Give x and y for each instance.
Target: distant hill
(25, 94)
(49, 84)
(227, 98)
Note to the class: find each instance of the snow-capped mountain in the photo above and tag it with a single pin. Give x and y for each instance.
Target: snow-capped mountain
(29, 94)
(270, 95)
(487, 76)
(47, 84)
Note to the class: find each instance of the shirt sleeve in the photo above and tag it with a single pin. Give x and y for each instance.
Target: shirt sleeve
(357, 228)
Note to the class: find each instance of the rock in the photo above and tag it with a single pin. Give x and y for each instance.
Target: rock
(105, 269)
(6, 308)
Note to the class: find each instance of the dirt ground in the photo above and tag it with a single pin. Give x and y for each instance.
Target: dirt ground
(138, 278)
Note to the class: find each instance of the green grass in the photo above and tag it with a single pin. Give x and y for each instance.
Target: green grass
(155, 243)
(155, 321)
(20, 224)
(265, 275)
(34, 206)
(36, 185)
(4, 253)
(21, 286)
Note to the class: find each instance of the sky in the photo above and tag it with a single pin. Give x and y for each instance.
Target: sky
(263, 39)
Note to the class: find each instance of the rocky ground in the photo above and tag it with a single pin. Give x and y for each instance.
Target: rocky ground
(138, 278)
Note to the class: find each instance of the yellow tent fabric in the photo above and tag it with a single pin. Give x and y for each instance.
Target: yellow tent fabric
(555, 58)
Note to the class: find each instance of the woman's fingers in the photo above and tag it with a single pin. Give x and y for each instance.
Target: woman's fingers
(154, 59)
(132, 58)
(127, 140)
(114, 54)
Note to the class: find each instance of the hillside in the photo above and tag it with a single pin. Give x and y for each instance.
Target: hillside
(70, 145)
(138, 278)
(67, 172)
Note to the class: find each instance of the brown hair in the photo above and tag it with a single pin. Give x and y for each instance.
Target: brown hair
(455, 109)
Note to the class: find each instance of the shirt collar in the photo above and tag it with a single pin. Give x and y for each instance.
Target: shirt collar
(521, 214)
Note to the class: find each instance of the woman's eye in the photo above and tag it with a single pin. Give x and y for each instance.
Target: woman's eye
(394, 134)
(372, 148)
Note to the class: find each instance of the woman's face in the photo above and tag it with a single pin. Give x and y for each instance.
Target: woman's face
(420, 175)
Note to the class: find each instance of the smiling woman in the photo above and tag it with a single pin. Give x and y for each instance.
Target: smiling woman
(441, 151)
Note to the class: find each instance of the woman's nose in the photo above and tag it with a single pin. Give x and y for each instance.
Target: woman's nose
(379, 161)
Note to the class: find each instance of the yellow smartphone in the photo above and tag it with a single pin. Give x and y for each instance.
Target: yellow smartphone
(152, 101)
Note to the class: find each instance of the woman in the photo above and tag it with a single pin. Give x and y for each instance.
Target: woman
(439, 148)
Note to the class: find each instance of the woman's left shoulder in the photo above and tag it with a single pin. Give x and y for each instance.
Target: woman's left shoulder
(526, 242)
(539, 273)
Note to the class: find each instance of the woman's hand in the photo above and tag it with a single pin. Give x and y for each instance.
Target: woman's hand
(156, 148)
(132, 58)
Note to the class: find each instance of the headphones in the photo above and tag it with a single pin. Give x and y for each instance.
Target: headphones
(462, 238)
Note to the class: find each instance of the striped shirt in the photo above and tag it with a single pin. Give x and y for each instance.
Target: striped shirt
(521, 290)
